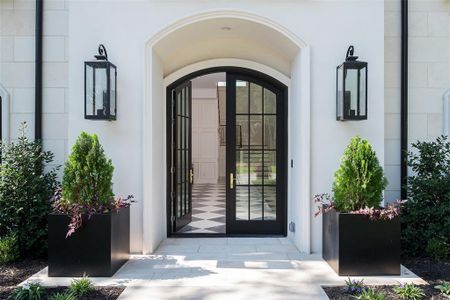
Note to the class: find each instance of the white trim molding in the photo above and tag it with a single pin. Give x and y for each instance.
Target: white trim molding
(5, 98)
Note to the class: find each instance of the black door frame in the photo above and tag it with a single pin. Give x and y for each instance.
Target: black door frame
(283, 182)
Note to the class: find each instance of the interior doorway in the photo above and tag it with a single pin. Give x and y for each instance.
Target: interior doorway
(227, 154)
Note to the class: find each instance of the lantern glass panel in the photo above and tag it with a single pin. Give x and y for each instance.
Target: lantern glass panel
(90, 91)
(112, 98)
(351, 92)
(362, 92)
(340, 92)
(101, 91)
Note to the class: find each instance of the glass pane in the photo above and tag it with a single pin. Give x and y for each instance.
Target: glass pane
(270, 104)
(183, 197)
(242, 202)
(270, 132)
(179, 197)
(242, 167)
(186, 97)
(112, 98)
(255, 98)
(340, 92)
(256, 130)
(256, 193)
(90, 106)
(241, 131)
(100, 91)
(179, 165)
(351, 92)
(241, 97)
(183, 103)
(270, 167)
(178, 104)
(179, 126)
(362, 93)
(256, 167)
(270, 203)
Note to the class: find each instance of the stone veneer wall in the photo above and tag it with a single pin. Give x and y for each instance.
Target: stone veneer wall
(17, 25)
(429, 77)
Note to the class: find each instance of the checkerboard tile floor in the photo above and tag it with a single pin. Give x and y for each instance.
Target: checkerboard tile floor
(208, 209)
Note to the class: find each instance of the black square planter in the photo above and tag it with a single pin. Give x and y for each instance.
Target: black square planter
(98, 249)
(354, 245)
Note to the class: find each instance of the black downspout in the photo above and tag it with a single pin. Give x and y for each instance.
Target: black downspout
(38, 71)
(404, 100)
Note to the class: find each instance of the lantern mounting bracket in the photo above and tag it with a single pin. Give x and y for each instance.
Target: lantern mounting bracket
(349, 56)
(102, 54)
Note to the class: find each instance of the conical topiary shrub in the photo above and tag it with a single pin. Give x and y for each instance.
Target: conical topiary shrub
(359, 182)
(88, 174)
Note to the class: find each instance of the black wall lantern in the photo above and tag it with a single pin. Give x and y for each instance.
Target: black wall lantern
(100, 82)
(351, 88)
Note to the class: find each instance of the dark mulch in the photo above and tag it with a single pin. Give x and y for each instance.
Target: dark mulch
(431, 271)
(12, 274)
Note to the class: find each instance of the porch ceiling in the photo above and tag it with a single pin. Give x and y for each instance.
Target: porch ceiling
(226, 38)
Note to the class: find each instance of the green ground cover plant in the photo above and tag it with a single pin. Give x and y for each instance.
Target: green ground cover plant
(31, 291)
(444, 288)
(81, 287)
(409, 291)
(355, 287)
(25, 189)
(370, 294)
(62, 296)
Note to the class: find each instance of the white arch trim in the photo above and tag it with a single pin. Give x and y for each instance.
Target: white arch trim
(154, 116)
(5, 113)
(213, 14)
(226, 62)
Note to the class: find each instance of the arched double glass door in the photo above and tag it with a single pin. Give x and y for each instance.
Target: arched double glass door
(256, 153)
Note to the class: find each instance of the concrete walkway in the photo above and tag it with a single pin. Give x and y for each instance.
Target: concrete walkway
(226, 268)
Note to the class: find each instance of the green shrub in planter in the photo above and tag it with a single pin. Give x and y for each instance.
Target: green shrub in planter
(25, 189)
(88, 174)
(359, 182)
(9, 248)
(425, 215)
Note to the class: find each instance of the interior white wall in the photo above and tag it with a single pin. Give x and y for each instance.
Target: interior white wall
(90, 25)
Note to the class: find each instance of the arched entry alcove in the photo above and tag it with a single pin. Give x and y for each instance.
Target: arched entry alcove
(225, 39)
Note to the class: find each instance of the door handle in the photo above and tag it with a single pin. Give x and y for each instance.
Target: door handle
(191, 172)
(231, 181)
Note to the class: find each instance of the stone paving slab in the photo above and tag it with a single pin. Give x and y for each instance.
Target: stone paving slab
(226, 268)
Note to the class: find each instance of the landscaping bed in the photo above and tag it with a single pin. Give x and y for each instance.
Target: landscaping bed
(11, 274)
(431, 271)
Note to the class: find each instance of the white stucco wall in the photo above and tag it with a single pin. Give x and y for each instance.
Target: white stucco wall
(17, 50)
(428, 78)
